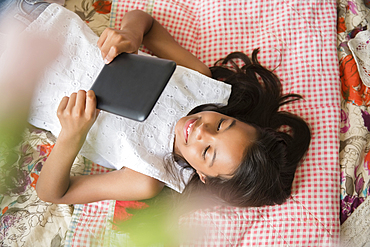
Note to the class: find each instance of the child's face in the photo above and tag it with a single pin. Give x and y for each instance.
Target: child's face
(212, 143)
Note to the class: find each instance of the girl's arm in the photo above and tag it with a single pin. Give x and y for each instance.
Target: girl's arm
(77, 114)
(139, 28)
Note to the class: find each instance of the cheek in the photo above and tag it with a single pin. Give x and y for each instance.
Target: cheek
(180, 125)
(189, 154)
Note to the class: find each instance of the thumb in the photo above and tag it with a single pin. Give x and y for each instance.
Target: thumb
(113, 52)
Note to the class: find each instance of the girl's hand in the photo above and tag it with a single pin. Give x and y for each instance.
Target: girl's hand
(135, 24)
(113, 42)
(77, 114)
(139, 27)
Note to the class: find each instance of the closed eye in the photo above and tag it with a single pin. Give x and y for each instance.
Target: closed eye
(219, 124)
(205, 152)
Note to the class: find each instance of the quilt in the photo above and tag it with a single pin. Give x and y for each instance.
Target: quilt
(297, 40)
(353, 37)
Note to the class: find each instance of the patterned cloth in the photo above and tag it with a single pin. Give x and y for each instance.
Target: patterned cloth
(90, 221)
(353, 18)
(297, 37)
(24, 217)
(300, 37)
(25, 220)
(94, 12)
(354, 116)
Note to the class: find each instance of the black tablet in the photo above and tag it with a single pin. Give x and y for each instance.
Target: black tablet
(131, 84)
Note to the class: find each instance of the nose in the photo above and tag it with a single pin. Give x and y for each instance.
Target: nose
(204, 132)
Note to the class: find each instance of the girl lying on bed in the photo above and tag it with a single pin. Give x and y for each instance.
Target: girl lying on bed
(235, 152)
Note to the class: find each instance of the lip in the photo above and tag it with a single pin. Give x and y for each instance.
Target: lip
(186, 126)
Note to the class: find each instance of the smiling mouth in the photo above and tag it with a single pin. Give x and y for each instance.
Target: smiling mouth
(188, 128)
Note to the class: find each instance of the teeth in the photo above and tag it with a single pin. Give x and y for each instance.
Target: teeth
(188, 130)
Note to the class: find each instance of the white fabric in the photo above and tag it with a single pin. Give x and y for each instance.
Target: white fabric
(355, 231)
(360, 47)
(114, 141)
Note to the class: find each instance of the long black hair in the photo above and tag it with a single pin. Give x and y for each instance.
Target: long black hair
(266, 174)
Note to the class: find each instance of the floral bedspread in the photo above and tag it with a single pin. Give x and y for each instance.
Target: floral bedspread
(95, 13)
(353, 17)
(25, 220)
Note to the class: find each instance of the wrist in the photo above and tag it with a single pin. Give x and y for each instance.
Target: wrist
(137, 21)
(73, 141)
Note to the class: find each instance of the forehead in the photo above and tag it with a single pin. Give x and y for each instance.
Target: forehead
(231, 149)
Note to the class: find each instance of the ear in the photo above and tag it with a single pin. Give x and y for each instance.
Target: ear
(202, 177)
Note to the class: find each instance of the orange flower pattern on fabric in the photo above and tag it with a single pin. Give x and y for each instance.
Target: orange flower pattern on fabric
(341, 25)
(4, 210)
(45, 149)
(102, 7)
(35, 178)
(367, 162)
(353, 90)
(120, 213)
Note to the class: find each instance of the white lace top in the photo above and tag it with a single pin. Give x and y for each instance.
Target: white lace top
(113, 141)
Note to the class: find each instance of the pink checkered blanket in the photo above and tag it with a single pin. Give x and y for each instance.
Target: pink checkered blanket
(296, 37)
(299, 39)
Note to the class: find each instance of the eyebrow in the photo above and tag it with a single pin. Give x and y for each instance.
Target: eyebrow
(215, 151)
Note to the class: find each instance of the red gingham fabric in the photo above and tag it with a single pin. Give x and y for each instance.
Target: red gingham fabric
(299, 38)
(90, 220)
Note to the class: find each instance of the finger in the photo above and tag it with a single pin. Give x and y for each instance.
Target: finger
(106, 41)
(115, 50)
(71, 102)
(102, 38)
(103, 52)
(80, 102)
(62, 105)
(91, 104)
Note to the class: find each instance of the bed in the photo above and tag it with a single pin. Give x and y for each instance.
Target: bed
(297, 39)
